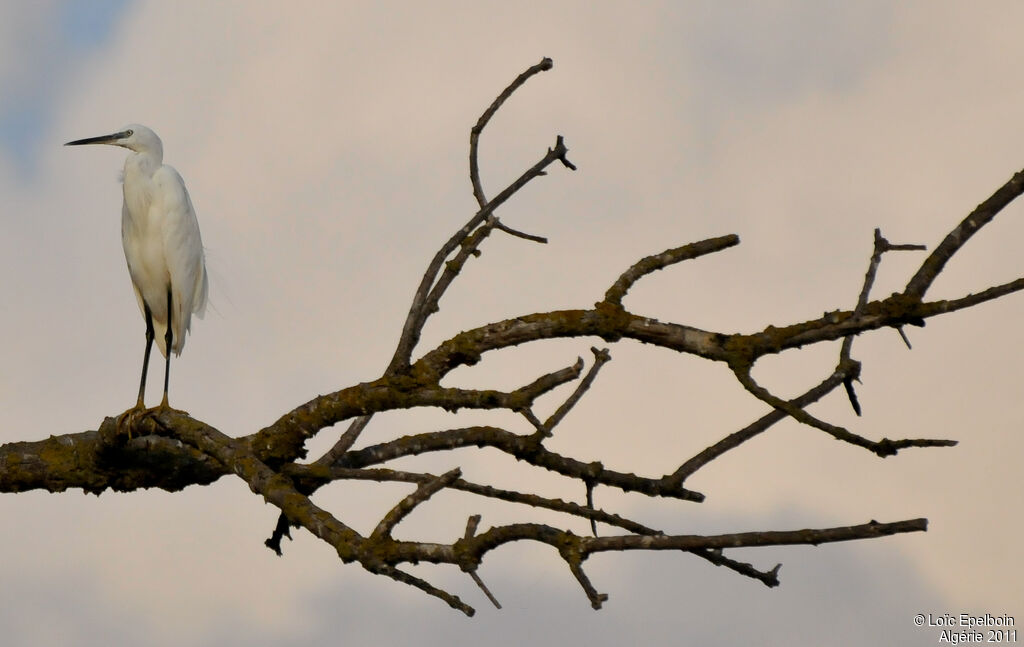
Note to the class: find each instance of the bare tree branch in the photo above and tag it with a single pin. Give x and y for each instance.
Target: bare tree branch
(954, 240)
(346, 441)
(882, 448)
(650, 264)
(518, 234)
(544, 429)
(471, 525)
(481, 123)
(429, 292)
(401, 576)
(881, 245)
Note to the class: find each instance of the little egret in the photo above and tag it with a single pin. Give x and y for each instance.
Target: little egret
(162, 245)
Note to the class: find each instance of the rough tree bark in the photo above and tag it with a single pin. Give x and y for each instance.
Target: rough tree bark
(170, 450)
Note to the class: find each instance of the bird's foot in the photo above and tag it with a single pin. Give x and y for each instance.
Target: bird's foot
(127, 420)
(164, 407)
(132, 418)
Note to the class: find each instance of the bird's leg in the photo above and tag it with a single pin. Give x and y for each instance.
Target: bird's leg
(145, 358)
(128, 418)
(168, 338)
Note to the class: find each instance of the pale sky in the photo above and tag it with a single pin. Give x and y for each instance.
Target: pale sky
(325, 149)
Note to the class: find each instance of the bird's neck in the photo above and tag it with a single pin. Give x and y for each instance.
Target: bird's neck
(142, 164)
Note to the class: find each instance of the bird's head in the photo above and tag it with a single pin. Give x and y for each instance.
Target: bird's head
(133, 137)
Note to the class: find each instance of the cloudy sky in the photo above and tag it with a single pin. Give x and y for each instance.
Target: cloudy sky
(325, 146)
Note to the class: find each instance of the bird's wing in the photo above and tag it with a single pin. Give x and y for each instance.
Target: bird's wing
(183, 251)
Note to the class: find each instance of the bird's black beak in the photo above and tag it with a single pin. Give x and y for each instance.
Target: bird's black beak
(102, 139)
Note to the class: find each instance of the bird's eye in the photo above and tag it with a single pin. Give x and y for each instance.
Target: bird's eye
(129, 132)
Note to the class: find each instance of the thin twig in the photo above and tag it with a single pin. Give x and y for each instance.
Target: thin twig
(573, 547)
(409, 503)
(532, 418)
(668, 257)
(865, 291)
(590, 504)
(474, 133)
(879, 247)
(981, 216)
(814, 537)
(519, 234)
(346, 441)
(600, 358)
(401, 576)
(596, 599)
(471, 525)
(549, 381)
(882, 448)
(933, 308)
(903, 336)
(715, 556)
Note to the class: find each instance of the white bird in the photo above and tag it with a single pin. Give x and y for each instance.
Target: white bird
(162, 245)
